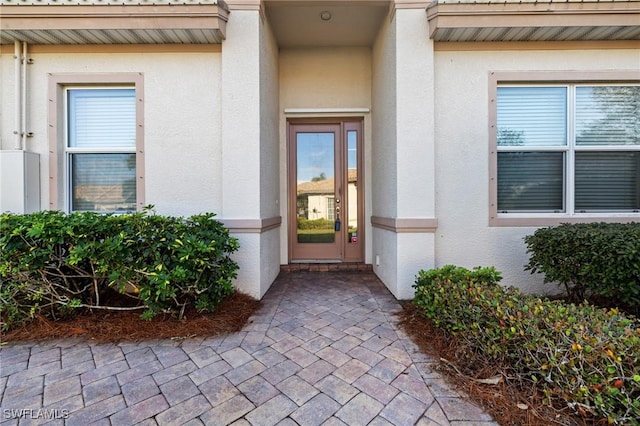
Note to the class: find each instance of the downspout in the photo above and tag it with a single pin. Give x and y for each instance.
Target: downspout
(23, 82)
(17, 62)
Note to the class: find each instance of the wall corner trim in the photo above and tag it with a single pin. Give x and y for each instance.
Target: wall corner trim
(251, 226)
(405, 225)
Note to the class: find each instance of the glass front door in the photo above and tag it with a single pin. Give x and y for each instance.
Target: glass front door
(324, 202)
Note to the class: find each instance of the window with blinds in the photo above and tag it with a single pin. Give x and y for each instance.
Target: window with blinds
(100, 149)
(568, 149)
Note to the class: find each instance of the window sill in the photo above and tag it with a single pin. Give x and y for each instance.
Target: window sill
(524, 220)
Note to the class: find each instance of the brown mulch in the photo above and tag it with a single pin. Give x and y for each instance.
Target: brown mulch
(507, 402)
(118, 326)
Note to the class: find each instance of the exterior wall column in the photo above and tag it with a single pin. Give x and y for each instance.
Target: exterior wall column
(242, 151)
(404, 239)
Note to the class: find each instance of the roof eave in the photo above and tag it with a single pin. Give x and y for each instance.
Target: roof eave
(507, 21)
(116, 24)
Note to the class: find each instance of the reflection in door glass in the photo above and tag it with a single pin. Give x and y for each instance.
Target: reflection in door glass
(352, 185)
(315, 187)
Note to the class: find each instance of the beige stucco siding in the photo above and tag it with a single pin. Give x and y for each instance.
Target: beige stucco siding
(269, 115)
(403, 150)
(464, 236)
(250, 147)
(325, 77)
(181, 120)
(384, 173)
(384, 167)
(269, 157)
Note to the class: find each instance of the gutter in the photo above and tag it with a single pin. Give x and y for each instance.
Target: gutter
(17, 72)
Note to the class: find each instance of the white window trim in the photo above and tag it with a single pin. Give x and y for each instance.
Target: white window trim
(59, 182)
(553, 78)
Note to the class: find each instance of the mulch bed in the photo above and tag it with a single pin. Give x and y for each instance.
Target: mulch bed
(508, 403)
(117, 326)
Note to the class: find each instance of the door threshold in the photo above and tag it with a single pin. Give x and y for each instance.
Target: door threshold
(326, 267)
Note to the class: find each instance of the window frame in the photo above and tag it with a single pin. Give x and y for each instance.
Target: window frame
(59, 165)
(570, 80)
(331, 208)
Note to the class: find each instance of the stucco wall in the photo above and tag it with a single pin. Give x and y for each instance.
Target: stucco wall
(337, 77)
(384, 173)
(323, 78)
(182, 120)
(403, 148)
(415, 116)
(269, 157)
(250, 145)
(462, 175)
(383, 149)
(269, 130)
(241, 131)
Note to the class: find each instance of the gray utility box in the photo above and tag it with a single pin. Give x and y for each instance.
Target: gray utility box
(19, 181)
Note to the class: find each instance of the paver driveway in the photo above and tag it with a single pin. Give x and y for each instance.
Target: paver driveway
(323, 349)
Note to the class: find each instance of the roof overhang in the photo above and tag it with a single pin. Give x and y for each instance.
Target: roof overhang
(108, 22)
(528, 20)
(298, 23)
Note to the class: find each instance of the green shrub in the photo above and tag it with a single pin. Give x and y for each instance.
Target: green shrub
(585, 356)
(594, 258)
(52, 263)
(315, 223)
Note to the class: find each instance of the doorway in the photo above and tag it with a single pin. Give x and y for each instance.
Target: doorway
(326, 190)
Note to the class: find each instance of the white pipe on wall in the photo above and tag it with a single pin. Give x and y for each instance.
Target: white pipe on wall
(18, 94)
(23, 90)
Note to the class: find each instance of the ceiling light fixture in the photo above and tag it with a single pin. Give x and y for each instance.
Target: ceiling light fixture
(325, 16)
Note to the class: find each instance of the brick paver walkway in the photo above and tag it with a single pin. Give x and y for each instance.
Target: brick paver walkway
(324, 349)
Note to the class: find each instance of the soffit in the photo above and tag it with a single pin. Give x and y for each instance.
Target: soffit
(299, 23)
(566, 20)
(113, 22)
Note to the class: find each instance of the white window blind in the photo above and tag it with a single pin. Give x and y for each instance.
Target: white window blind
(530, 181)
(102, 118)
(607, 181)
(607, 115)
(532, 116)
(101, 157)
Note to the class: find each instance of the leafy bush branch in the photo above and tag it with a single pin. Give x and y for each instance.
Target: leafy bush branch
(587, 357)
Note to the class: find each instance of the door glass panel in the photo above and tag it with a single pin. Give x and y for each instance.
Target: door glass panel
(315, 187)
(352, 185)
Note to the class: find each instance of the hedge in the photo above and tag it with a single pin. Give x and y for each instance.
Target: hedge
(315, 223)
(589, 358)
(53, 263)
(600, 259)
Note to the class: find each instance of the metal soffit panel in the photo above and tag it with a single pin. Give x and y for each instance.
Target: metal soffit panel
(126, 36)
(113, 22)
(587, 33)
